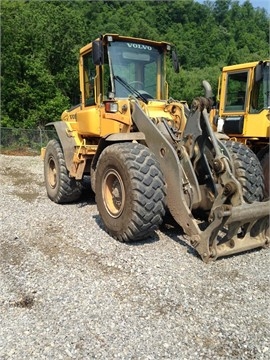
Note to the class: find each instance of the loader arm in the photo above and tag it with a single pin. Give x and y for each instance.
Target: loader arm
(179, 188)
(233, 226)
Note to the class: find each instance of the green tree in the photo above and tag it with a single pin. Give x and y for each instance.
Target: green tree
(40, 42)
(39, 61)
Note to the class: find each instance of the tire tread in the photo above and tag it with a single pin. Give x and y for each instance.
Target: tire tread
(148, 190)
(69, 190)
(248, 171)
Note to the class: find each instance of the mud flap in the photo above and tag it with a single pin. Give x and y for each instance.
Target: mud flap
(68, 143)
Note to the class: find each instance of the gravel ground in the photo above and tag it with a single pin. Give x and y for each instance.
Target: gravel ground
(69, 291)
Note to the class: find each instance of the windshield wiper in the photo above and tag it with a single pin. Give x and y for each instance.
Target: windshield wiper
(131, 89)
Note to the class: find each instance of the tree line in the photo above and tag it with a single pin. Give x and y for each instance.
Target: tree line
(40, 42)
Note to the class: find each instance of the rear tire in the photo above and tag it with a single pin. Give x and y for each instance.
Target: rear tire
(60, 187)
(248, 171)
(130, 192)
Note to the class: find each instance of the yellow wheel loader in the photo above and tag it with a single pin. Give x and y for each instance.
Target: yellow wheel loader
(243, 111)
(147, 154)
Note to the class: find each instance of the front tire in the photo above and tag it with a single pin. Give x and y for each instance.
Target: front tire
(130, 191)
(265, 168)
(60, 187)
(248, 171)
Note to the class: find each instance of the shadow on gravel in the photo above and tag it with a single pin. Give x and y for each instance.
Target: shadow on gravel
(174, 231)
(169, 228)
(251, 251)
(88, 196)
(149, 240)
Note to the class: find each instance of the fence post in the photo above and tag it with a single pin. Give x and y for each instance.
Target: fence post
(40, 134)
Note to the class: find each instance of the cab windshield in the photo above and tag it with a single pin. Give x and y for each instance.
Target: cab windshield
(260, 96)
(139, 65)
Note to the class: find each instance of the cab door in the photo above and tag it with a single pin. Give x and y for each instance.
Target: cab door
(89, 117)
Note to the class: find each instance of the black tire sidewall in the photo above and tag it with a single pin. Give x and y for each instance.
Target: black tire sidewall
(247, 169)
(143, 182)
(52, 152)
(265, 170)
(121, 225)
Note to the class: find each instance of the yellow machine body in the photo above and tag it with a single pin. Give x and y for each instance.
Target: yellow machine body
(243, 101)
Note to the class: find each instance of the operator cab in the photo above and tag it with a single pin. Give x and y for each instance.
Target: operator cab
(116, 67)
(244, 100)
(239, 98)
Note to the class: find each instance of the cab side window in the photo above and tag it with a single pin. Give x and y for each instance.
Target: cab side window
(236, 91)
(89, 73)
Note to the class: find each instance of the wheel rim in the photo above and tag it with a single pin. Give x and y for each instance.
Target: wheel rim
(113, 193)
(52, 178)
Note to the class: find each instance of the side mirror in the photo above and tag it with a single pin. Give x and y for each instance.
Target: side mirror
(175, 61)
(98, 55)
(259, 71)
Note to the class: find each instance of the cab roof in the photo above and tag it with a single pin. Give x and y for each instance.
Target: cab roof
(118, 37)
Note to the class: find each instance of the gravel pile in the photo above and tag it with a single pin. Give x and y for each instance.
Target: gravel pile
(69, 291)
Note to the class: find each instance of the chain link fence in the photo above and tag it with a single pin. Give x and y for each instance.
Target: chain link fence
(29, 141)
